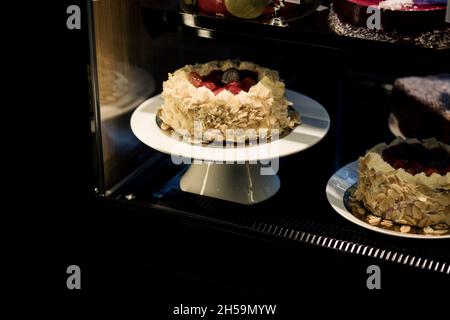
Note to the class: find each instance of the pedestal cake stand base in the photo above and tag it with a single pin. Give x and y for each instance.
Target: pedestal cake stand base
(241, 183)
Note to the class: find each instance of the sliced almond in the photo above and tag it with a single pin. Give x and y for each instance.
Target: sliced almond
(405, 229)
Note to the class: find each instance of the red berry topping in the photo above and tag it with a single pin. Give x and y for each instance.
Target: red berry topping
(234, 87)
(217, 91)
(233, 84)
(195, 79)
(397, 164)
(416, 167)
(415, 158)
(214, 81)
(215, 76)
(430, 171)
(247, 83)
(210, 85)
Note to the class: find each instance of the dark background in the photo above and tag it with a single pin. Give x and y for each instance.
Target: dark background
(157, 260)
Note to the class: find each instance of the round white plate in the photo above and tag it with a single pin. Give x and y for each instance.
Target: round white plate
(314, 126)
(338, 184)
(393, 126)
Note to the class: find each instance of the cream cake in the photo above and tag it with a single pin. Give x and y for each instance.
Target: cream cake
(226, 100)
(407, 182)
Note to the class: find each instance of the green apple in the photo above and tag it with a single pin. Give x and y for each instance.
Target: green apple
(246, 9)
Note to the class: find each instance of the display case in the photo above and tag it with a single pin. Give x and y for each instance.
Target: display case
(343, 71)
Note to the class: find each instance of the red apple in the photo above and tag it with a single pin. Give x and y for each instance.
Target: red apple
(213, 7)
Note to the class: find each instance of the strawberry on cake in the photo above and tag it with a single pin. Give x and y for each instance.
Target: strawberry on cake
(219, 97)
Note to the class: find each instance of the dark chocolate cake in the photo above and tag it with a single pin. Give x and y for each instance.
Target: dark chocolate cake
(422, 106)
(396, 16)
(421, 22)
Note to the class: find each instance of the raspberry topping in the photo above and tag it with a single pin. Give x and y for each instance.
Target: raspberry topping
(415, 158)
(232, 80)
(210, 85)
(195, 79)
(247, 83)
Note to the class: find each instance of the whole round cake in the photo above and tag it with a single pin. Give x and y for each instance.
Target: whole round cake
(226, 100)
(421, 22)
(407, 182)
(398, 15)
(422, 106)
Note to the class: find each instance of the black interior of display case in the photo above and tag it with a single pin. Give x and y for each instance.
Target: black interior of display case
(300, 210)
(351, 78)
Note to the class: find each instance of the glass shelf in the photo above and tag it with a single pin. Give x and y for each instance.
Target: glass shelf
(309, 30)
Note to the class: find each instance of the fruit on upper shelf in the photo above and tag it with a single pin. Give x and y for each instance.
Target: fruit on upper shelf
(213, 7)
(248, 9)
(245, 9)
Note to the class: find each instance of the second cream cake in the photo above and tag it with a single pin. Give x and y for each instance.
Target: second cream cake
(219, 97)
(407, 182)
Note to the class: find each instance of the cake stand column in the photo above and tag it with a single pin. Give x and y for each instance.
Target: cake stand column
(241, 183)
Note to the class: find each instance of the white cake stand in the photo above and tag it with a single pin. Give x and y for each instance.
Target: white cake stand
(239, 174)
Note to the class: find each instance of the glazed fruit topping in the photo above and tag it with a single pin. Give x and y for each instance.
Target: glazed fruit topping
(415, 158)
(195, 79)
(247, 83)
(230, 75)
(232, 79)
